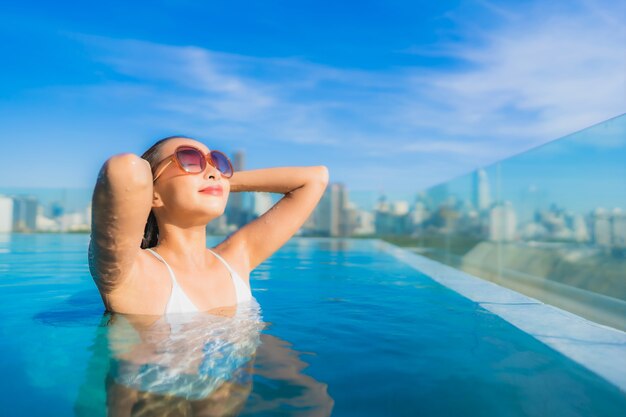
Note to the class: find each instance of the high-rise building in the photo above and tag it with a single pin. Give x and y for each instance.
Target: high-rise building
(235, 210)
(579, 227)
(6, 214)
(601, 227)
(332, 217)
(383, 217)
(502, 222)
(25, 210)
(618, 228)
(480, 190)
(418, 214)
(260, 203)
(436, 196)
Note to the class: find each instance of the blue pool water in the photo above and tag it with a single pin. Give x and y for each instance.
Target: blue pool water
(341, 327)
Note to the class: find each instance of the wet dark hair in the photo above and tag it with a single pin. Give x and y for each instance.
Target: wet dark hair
(153, 156)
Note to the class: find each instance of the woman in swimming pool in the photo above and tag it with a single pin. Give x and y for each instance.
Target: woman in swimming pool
(148, 253)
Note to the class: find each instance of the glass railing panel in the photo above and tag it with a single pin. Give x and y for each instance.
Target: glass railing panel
(563, 209)
(549, 222)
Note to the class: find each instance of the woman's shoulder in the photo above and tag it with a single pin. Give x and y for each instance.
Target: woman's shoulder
(143, 291)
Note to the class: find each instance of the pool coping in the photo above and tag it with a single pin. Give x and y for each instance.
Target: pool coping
(592, 345)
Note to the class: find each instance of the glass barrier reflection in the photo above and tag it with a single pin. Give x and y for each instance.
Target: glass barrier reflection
(550, 223)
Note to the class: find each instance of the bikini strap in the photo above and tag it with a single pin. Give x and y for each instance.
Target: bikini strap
(231, 270)
(160, 258)
(240, 286)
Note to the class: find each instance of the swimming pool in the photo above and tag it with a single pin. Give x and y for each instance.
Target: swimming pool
(345, 329)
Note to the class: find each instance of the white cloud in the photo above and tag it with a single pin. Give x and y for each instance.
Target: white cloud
(533, 78)
(536, 75)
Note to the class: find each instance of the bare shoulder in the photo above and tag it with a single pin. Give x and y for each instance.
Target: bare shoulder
(144, 290)
(232, 250)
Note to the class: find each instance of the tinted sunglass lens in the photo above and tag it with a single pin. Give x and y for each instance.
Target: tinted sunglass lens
(191, 160)
(220, 161)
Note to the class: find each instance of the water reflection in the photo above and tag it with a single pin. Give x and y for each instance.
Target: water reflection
(196, 364)
(187, 363)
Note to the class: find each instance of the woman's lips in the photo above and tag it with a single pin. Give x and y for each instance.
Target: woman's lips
(213, 190)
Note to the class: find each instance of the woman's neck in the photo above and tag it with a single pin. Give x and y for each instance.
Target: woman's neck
(185, 247)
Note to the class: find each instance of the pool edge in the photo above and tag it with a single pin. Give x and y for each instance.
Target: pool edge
(592, 345)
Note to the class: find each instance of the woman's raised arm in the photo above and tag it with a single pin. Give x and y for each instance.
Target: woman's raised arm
(303, 188)
(121, 202)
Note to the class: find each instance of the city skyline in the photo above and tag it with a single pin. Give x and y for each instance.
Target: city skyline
(478, 213)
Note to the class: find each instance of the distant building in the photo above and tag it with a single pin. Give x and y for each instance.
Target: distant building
(436, 196)
(236, 213)
(418, 214)
(363, 222)
(392, 218)
(76, 221)
(260, 203)
(25, 210)
(88, 213)
(400, 208)
(254, 205)
(502, 222)
(383, 217)
(46, 224)
(579, 226)
(6, 214)
(56, 209)
(618, 228)
(332, 216)
(601, 225)
(480, 190)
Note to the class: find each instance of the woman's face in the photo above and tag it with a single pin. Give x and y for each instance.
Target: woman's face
(178, 196)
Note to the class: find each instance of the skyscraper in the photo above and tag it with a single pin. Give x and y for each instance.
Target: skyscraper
(502, 222)
(480, 190)
(332, 217)
(6, 214)
(235, 211)
(618, 228)
(25, 213)
(601, 227)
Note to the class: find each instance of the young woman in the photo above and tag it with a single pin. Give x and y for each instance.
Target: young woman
(148, 252)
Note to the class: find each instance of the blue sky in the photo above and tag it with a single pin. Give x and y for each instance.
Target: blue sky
(392, 95)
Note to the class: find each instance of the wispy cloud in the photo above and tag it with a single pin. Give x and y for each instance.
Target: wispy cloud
(536, 74)
(533, 77)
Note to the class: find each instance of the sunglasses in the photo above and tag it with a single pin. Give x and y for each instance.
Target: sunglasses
(193, 161)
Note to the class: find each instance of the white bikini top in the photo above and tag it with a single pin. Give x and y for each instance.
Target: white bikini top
(180, 303)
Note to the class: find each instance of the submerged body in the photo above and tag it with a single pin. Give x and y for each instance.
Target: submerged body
(189, 355)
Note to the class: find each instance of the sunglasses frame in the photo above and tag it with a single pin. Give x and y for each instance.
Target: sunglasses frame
(207, 157)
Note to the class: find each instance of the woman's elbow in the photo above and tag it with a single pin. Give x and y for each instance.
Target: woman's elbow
(322, 174)
(128, 169)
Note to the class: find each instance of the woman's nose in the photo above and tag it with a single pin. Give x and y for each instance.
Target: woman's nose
(211, 171)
